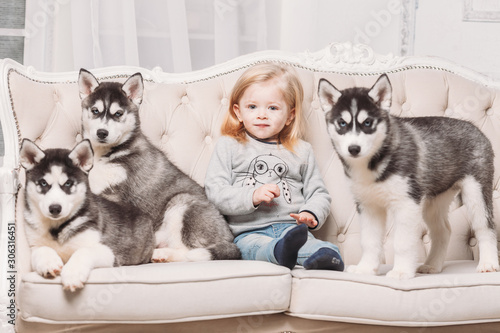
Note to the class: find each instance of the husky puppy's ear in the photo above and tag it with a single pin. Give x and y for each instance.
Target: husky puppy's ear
(87, 83)
(328, 95)
(82, 155)
(30, 154)
(381, 92)
(134, 88)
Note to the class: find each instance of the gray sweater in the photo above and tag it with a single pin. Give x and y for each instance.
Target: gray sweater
(236, 170)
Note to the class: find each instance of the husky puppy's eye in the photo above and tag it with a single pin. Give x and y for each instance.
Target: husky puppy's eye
(43, 183)
(69, 183)
(118, 113)
(367, 123)
(94, 110)
(342, 123)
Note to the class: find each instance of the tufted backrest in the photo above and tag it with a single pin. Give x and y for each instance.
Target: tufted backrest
(182, 114)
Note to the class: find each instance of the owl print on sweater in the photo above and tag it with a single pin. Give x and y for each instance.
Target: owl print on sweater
(269, 169)
(237, 169)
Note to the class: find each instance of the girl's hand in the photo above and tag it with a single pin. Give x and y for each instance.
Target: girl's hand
(265, 193)
(305, 218)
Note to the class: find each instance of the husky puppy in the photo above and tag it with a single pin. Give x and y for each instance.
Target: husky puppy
(69, 229)
(129, 169)
(404, 171)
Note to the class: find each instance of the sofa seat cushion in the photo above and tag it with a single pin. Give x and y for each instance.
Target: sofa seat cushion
(458, 295)
(160, 293)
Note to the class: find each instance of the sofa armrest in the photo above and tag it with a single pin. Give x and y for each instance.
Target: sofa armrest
(9, 180)
(8, 259)
(9, 186)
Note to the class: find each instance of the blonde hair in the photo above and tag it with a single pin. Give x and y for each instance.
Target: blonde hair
(293, 94)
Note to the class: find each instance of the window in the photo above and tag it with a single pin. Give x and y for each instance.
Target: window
(12, 29)
(12, 15)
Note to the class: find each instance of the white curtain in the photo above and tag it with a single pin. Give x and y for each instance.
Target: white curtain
(176, 35)
(185, 35)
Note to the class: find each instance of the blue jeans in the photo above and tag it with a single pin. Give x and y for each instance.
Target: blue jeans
(259, 244)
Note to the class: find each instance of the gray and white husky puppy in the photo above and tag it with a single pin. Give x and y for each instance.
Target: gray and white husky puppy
(405, 171)
(130, 170)
(70, 230)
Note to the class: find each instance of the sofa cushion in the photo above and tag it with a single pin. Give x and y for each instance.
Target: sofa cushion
(157, 293)
(458, 295)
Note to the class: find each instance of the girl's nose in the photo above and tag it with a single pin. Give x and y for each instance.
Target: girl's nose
(262, 113)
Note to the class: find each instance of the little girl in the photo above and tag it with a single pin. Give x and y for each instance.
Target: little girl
(264, 179)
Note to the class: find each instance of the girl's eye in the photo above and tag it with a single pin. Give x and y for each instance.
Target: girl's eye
(252, 107)
(273, 108)
(94, 110)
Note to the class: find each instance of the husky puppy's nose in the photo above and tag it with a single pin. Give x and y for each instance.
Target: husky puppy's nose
(354, 150)
(102, 134)
(55, 209)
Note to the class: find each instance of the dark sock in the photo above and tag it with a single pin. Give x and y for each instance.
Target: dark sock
(325, 258)
(287, 248)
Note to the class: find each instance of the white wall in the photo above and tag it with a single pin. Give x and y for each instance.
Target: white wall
(441, 31)
(436, 28)
(375, 23)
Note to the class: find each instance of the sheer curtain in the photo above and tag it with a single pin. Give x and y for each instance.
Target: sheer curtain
(185, 35)
(176, 35)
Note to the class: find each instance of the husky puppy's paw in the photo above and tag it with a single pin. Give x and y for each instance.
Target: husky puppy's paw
(73, 277)
(361, 269)
(161, 255)
(166, 254)
(428, 269)
(400, 274)
(487, 267)
(199, 254)
(50, 269)
(46, 262)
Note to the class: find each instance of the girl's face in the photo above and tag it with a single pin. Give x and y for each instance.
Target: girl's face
(263, 110)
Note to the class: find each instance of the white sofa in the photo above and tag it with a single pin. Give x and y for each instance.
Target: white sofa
(181, 113)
